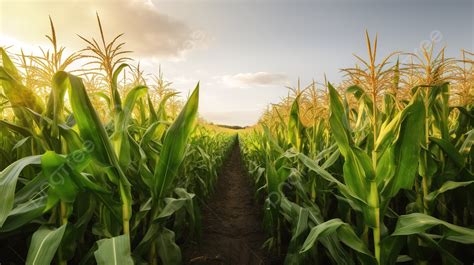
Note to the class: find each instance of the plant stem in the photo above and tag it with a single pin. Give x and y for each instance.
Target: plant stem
(377, 235)
(152, 258)
(424, 178)
(63, 221)
(63, 213)
(125, 193)
(313, 190)
(424, 186)
(125, 218)
(374, 203)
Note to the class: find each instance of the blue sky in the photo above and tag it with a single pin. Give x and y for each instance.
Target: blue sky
(309, 38)
(246, 52)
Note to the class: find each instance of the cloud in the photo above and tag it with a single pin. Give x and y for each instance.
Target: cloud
(255, 79)
(147, 31)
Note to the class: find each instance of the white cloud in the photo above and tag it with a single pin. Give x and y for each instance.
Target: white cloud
(148, 33)
(255, 79)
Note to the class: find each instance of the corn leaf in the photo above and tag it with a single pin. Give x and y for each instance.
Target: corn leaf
(450, 150)
(406, 149)
(169, 252)
(294, 125)
(345, 234)
(417, 223)
(114, 251)
(120, 136)
(23, 213)
(447, 186)
(114, 87)
(90, 126)
(174, 146)
(8, 180)
(59, 177)
(44, 244)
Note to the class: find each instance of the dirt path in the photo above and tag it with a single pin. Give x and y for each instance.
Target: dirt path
(232, 221)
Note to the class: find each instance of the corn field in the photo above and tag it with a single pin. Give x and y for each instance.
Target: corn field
(102, 163)
(97, 167)
(376, 170)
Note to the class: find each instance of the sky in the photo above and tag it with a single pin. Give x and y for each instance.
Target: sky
(244, 53)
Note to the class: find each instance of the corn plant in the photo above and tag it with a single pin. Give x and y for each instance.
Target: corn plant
(373, 180)
(84, 188)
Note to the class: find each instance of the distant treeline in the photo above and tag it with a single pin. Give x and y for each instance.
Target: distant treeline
(234, 127)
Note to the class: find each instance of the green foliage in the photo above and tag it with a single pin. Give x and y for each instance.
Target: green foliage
(44, 245)
(112, 188)
(379, 189)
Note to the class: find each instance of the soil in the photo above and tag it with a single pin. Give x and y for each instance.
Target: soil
(232, 221)
(232, 232)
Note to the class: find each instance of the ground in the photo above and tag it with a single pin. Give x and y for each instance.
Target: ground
(232, 221)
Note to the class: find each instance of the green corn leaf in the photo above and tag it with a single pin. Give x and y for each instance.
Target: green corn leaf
(338, 121)
(151, 111)
(312, 165)
(55, 107)
(385, 166)
(191, 207)
(147, 240)
(389, 132)
(120, 136)
(93, 132)
(114, 251)
(406, 149)
(162, 117)
(172, 206)
(32, 189)
(20, 143)
(114, 88)
(174, 146)
(294, 125)
(390, 248)
(103, 96)
(417, 223)
(357, 169)
(273, 142)
(57, 171)
(169, 252)
(365, 100)
(427, 239)
(90, 126)
(468, 142)
(345, 234)
(334, 249)
(130, 101)
(161, 113)
(293, 255)
(389, 106)
(447, 186)
(44, 244)
(301, 223)
(16, 92)
(16, 128)
(9, 66)
(24, 213)
(8, 180)
(450, 150)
